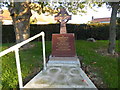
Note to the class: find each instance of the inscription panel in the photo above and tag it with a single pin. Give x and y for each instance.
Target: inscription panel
(63, 45)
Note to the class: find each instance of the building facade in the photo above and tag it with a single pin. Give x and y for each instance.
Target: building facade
(101, 20)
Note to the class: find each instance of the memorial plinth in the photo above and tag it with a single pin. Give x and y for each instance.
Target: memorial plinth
(63, 45)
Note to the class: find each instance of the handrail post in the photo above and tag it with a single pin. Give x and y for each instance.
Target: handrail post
(18, 67)
(43, 45)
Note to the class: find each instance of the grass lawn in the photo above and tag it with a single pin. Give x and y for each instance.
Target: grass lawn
(31, 62)
(107, 65)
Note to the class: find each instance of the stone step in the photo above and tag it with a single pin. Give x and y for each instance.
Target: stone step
(63, 58)
(63, 61)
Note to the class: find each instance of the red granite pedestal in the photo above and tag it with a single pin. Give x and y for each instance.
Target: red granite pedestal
(63, 45)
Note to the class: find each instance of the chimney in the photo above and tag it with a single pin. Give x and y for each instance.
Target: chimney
(92, 17)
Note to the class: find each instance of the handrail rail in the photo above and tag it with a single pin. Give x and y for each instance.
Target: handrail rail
(20, 44)
(16, 49)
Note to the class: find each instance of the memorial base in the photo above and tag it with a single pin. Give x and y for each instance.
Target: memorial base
(63, 61)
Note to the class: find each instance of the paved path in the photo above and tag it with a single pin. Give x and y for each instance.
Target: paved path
(61, 74)
(61, 77)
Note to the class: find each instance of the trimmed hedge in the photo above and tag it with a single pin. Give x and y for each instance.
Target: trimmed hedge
(82, 31)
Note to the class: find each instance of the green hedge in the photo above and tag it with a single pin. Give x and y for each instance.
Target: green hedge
(82, 31)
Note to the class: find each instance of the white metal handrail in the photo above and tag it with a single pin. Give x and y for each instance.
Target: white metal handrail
(16, 49)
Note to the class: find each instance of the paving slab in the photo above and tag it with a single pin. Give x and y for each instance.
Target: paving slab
(61, 77)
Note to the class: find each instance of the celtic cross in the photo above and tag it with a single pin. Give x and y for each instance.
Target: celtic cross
(63, 17)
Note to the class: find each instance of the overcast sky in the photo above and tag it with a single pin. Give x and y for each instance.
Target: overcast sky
(101, 13)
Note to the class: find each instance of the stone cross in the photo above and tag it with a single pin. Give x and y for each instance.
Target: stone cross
(63, 17)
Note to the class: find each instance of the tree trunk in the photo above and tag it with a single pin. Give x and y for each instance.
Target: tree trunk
(112, 29)
(21, 13)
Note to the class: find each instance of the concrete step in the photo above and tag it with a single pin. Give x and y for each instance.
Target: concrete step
(63, 61)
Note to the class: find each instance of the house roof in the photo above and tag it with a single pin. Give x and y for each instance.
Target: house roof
(5, 15)
(101, 19)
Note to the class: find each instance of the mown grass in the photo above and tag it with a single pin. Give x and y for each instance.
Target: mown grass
(107, 65)
(31, 60)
